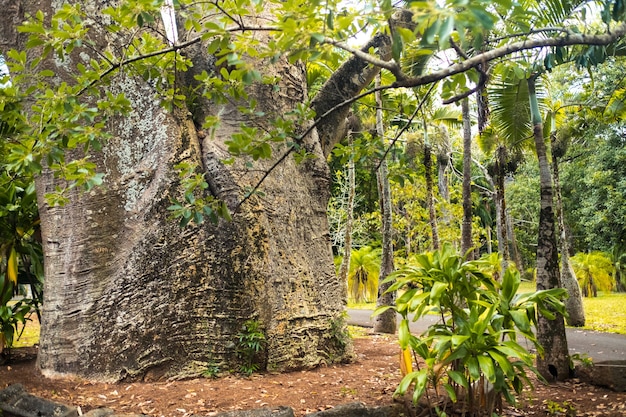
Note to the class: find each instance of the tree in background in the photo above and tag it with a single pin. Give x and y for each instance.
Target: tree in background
(595, 272)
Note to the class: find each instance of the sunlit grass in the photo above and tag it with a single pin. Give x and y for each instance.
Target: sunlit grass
(30, 336)
(606, 312)
(362, 306)
(358, 332)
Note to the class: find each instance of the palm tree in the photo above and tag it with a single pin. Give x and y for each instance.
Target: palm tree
(363, 276)
(594, 271)
(558, 142)
(506, 136)
(466, 226)
(385, 322)
(550, 332)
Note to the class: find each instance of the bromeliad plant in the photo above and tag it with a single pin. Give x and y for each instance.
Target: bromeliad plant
(471, 357)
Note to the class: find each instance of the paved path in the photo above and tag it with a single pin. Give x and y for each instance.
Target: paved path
(597, 345)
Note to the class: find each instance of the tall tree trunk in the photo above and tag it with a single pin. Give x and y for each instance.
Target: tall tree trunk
(466, 226)
(385, 322)
(501, 222)
(554, 363)
(513, 247)
(430, 198)
(129, 294)
(344, 268)
(443, 162)
(574, 304)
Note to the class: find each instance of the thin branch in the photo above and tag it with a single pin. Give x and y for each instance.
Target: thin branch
(531, 32)
(391, 66)
(408, 123)
(115, 67)
(481, 83)
(265, 175)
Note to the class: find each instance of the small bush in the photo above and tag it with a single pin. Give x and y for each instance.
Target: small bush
(471, 357)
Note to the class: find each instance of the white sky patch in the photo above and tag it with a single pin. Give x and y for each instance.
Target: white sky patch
(169, 21)
(4, 72)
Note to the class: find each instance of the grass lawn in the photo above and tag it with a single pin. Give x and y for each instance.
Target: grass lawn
(606, 312)
(30, 336)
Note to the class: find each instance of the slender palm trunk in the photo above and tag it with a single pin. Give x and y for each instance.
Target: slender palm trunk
(443, 162)
(513, 247)
(466, 226)
(574, 304)
(503, 238)
(430, 199)
(344, 269)
(554, 363)
(385, 322)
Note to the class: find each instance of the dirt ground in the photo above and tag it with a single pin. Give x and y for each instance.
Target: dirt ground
(371, 379)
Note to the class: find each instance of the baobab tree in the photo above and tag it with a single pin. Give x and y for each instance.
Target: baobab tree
(216, 125)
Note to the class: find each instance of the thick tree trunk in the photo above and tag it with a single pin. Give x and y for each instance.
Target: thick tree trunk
(554, 363)
(385, 322)
(466, 226)
(129, 294)
(574, 304)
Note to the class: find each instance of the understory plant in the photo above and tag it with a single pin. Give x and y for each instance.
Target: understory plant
(12, 315)
(250, 347)
(471, 358)
(21, 257)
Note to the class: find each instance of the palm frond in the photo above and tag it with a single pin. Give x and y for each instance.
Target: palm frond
(488, 140)
(510, 111)
(554, 12)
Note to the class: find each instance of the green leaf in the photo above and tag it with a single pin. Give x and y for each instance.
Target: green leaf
(437, 290)
(316, 38)
(473, 367)
(406, 382)
(451, 392)
(396, 46)
(445, 31)
(459, 378)
(488, 370)
(330, 20)
(431, 32)
(404, 334)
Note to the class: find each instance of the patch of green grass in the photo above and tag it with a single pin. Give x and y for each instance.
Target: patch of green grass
(606, 312)
(357, 332)
(362, 306)
(527, 286)
(30, 336)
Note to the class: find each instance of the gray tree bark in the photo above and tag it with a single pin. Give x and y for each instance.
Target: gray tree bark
(385, 322)
(344, 268)
(574, 304)
(466, 226)
(130, 295)
(501, 217)
(554, 363)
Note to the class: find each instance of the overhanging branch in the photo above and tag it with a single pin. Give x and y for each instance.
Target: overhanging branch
(567, 40)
